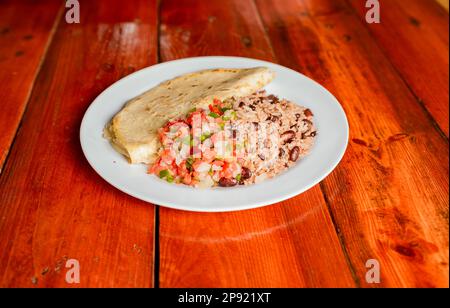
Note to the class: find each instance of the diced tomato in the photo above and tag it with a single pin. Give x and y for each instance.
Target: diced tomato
(208, 155)
(203, 149)
(217, 137)
(171, 123)
(196, 152)
(226, 171)
(182, 169)
(161, 134)
(151, 169)
(196, 164)
(187, 179)
(195, 116)
(218, 163)
(156, 167)
(174, 168)
(196, 175)
(204, 119)
(215, 109)
(167, 157)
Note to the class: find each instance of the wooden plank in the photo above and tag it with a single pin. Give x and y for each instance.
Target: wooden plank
(389, 196)
(444, 3)
(23, 43)
(292, 244)
(414, 37)
(53, 205)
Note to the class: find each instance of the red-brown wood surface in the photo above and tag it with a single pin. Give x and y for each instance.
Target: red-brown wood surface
(54, 207)
(23, 43)
(422, 62)
(218, 250)
(387, 200)
(389, 196)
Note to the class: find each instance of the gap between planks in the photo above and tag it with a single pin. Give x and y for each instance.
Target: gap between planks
(324, 194)
(156, 228)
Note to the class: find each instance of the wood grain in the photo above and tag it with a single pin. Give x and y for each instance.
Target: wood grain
(291, 244)
(23, 43)
(414, 36)
(389, 196)
(444, 3)
(387, 200)
(54, 206)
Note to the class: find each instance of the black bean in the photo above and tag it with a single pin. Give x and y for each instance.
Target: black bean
(226, 182)
(241, 104)
(261, 156)
(287, 136)
(295, 152)
(273, 99)
(281, 153)
(275, 118)
(308, 113)
(298, 115)
(252, 107)
(245, 173)
(313, 134)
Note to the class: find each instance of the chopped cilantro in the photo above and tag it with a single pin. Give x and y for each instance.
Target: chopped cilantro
(205, 136)
(164, 173)
(169, 178)
(189, 163)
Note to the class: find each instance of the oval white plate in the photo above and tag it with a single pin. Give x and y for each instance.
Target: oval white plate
(328, 150)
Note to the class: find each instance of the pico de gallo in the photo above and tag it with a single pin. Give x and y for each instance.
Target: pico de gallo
(241, 141)
(202, 149)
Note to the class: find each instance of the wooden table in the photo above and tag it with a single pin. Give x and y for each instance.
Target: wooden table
(387, 200)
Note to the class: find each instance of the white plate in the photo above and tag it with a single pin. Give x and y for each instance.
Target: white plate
(328, 150)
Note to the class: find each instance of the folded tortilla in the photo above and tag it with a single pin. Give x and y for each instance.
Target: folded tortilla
(133, 131)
